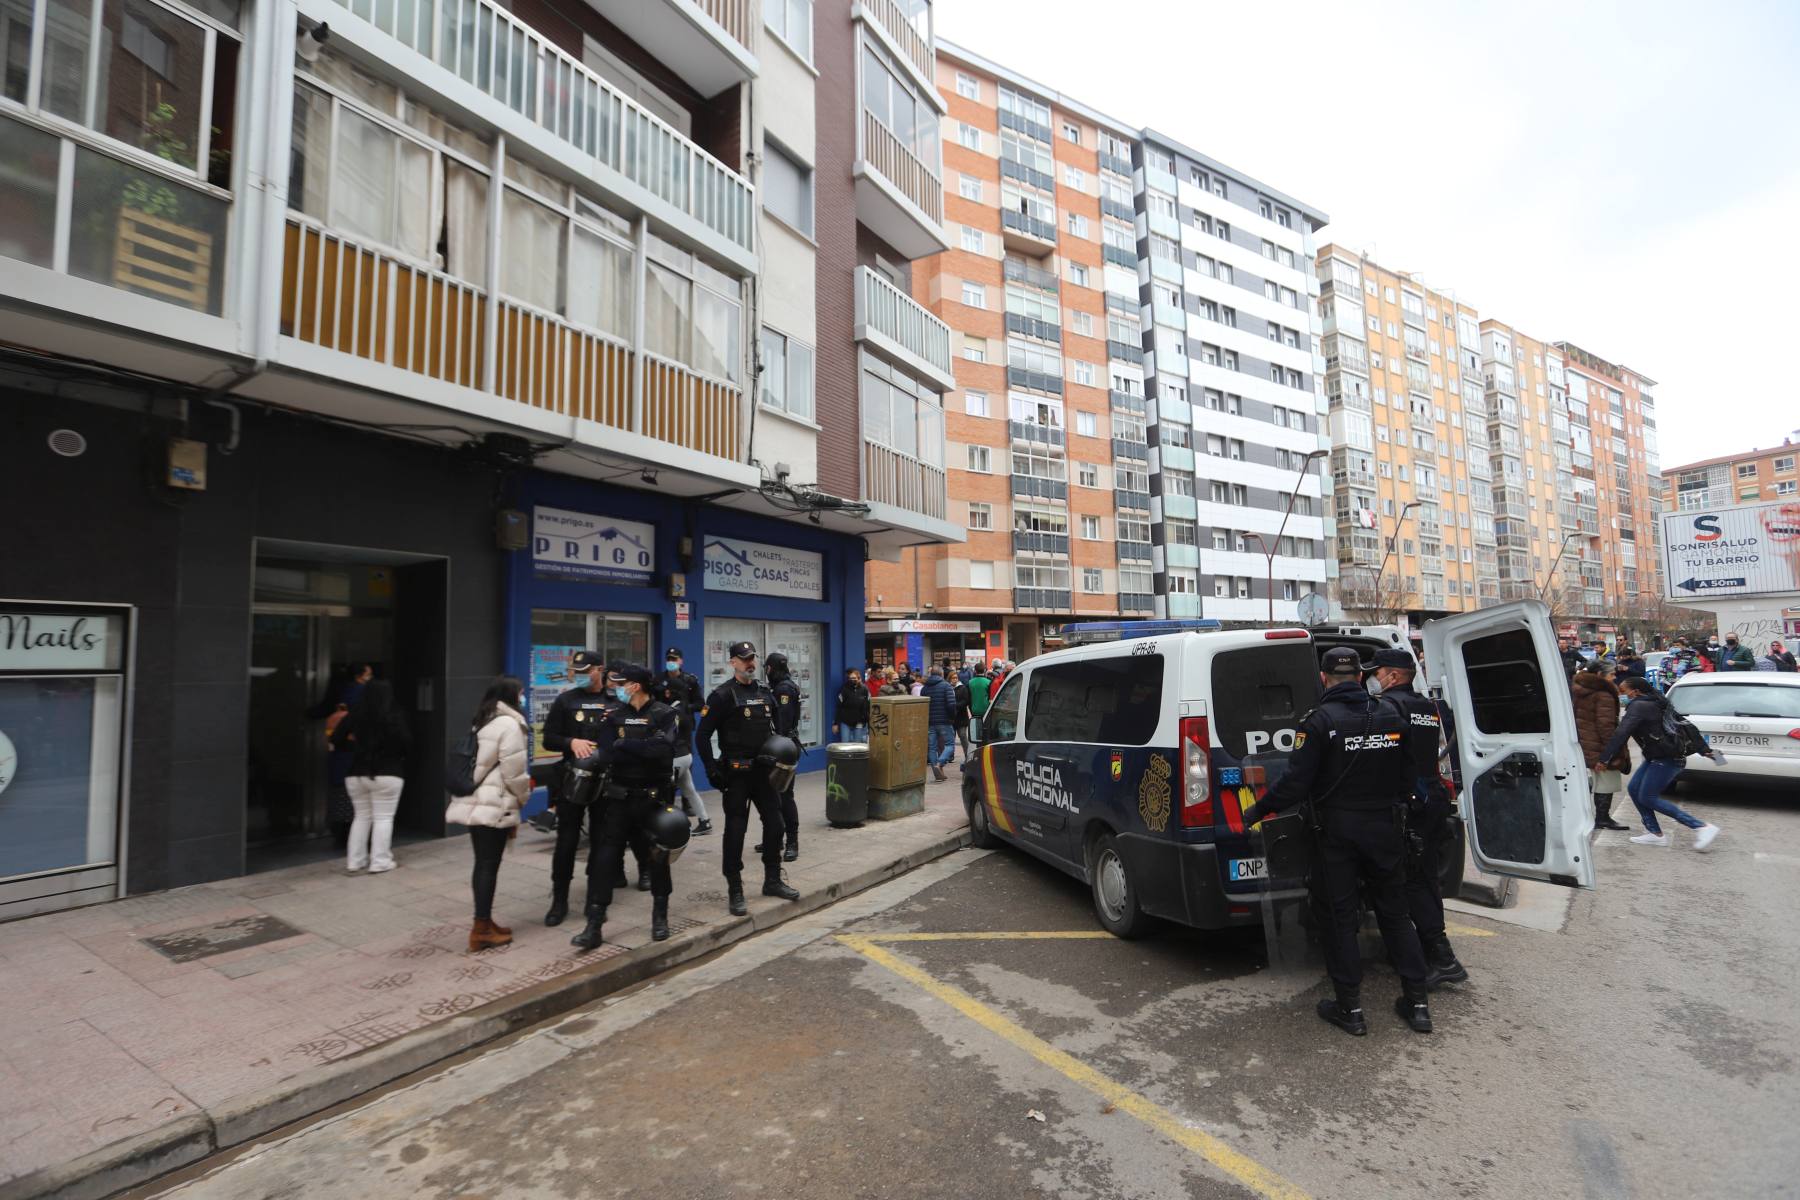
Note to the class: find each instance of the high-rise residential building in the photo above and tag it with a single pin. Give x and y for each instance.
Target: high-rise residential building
(447, 339)
(1621, 457)
(1228, 305)
(1046, 429)
(1750, 477)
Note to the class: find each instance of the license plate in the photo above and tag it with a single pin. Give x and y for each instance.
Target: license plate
(1248, 868)
(1738, 739)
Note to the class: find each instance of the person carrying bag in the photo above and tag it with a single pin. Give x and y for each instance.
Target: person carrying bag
(497, 783)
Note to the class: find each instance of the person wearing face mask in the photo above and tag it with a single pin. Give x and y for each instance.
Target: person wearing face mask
(635, 745)
(740, 713)
(787, 724)
(1737, 657)
(681, 692)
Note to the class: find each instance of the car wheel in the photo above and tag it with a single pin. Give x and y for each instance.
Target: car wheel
(981, 834)
(1115, 895)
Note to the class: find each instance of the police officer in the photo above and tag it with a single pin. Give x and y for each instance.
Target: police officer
(635, 746)
(787, 724)
(681, 692)
(1353, 761)
(741, 712)
(569, 728)
(1429, 821)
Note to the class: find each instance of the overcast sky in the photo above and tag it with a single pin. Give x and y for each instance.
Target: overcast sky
(1625, 176)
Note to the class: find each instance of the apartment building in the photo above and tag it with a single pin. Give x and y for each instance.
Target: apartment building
(1756, 476)
(1228, 301)
(1046, 429)
(448, 338)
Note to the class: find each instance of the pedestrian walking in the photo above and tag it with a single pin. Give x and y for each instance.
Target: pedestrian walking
(681, 692)
(741, 713)
(891, 685)
(1738, 657)
(940, 732)
(1354, 761)
(1646, 722)
(961, 717)
(346, 688)
(376, 734)
(1596, 700)
(852, 709)
(503, 784)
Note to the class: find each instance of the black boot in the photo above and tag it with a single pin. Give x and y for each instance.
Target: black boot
(1413, 1010)
(772, 885)
(703, 828)
(559, 904)
(1441, 966)
(643, 878)
(734, 887)
(589, 937)
(1345, 1012)
(659, 919)
(792, 851)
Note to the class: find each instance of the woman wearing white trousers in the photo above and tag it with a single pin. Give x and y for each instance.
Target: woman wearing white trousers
(379, 739)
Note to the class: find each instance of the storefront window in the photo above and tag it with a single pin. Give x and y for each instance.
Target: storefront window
(803, 643)
(556, 634)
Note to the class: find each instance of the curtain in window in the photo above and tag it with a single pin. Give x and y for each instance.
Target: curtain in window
(876, 420)
(532, 265)
(362, 192)
(716, 335)
(599, 283)
(310, 161)
(931, 434)
(465, 232)
(774, 369)
(666, 303)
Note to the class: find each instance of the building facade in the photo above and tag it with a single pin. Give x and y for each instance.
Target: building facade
(446, 340)
(1749, 478)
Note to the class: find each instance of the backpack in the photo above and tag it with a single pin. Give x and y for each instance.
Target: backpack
(459, 766)
(1682, 735)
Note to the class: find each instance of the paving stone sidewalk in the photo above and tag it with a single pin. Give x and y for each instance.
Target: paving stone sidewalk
(150, 1018)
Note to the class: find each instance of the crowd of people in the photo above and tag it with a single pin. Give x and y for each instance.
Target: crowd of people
(1727, 653)
(958, 696)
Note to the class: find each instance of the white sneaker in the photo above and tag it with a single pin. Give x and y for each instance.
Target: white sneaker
(1703, 836)
(1651, 839)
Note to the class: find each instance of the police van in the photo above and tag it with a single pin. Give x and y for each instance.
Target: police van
(1127, 760)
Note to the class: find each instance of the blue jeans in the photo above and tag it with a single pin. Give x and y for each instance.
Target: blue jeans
(940, 744)
(1646, 788)
(854, 733)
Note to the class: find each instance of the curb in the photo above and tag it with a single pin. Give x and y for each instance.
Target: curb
(239, 1119)
(1491, 891)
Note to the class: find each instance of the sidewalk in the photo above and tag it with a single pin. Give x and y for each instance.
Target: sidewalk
(149, 1032)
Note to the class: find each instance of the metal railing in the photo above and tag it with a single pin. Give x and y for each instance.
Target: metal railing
(1028, 225)
(888, 155)
(1054, 599)
(489, 48)
(916, 46)
(740, 18)
(900, 318)
(1028, 431)
(1019, 271)
(903, 481)
(1039, 542)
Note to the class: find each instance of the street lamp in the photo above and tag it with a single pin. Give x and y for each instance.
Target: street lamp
(1393, 541)
(1560, 551)
(1268, 550)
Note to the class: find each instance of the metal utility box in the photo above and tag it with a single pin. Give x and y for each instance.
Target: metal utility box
(897, 728)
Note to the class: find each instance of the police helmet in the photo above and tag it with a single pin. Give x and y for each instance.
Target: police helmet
(782, 751)
(667, 828)
(776, 663)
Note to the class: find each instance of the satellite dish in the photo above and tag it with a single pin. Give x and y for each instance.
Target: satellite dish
(1314, 608)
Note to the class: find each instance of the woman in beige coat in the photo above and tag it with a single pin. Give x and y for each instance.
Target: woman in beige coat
(503, 783)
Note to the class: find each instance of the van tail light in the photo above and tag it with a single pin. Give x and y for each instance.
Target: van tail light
(1276, 635)
(1196, 774)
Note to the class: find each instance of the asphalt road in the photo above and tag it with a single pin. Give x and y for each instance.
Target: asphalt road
(1640, 1041)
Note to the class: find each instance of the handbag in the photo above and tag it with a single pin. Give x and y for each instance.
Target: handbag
(1607, 781)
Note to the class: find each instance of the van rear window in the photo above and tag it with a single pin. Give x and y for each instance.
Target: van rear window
(1110, 701)
(1259, 694)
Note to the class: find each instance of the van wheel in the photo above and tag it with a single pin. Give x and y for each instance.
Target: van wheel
(981, 834)
(1115, 896)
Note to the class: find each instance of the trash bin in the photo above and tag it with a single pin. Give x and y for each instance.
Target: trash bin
(847, 784)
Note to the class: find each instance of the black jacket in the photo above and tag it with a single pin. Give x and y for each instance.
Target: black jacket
(787, 706)
(1353, 752)
(1643, 720)
(1427, 731)
(576, 713)
(682, 693)
(376, 749)
(742, 715)
(853, 704)
(638, 744)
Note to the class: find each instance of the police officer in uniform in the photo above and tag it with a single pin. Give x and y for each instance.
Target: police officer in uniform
(1353, 760)
(681, 692)
(635, 747)
(1429, 819)
(741, 713)
(787, 724)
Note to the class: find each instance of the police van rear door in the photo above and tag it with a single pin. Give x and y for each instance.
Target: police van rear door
(1525, 786)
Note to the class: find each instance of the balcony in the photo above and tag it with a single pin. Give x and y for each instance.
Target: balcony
(903, 482)
(898, 196)
(1136, 451)
(1431, 564)
(1518, 589)
(1043, 435)
(1037, 381)
(1137, 551)
(899, 329)
(1032, 327)
(1017, 270)
(1042, 599)
(1020, 123)
(1136, 602)
(638, 161)
(1036, 488)
(1430, 529)
(1024, 232)
(1124, 351)
(1119, 256)
(1115, 164)
(1126, 402)
(1125, 498)
(1037, 542)
(905, 25)
(710, 44)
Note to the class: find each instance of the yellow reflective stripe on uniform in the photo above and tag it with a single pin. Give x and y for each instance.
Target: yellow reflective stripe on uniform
(991, 786)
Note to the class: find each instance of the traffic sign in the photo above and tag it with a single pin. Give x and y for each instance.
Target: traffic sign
(1750, 550)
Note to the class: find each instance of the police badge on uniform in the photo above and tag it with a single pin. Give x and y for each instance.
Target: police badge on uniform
(746, 710)
(580, 714)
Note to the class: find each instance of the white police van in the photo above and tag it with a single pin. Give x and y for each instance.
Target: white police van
(1128, 761)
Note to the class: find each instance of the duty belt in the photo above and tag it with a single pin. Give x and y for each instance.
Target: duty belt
(619, 791)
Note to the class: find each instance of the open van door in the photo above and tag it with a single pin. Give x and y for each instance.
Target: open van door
(1525, 786)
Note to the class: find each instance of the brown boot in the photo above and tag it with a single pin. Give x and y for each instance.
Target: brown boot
(499, 928)
(938, 772)
(484, 934)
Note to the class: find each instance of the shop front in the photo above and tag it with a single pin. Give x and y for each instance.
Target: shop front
(632, 573)
(919, 643)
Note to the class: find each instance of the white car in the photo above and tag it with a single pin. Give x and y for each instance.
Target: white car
(1752, 717)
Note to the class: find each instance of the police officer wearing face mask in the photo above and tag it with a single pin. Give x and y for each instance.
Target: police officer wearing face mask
(681, 692)
(569, 728)
(1354, 762)
(787, 724)
(1429, 820)
(741, 713)
(635, 747)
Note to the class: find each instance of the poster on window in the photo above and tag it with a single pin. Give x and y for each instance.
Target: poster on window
(802, 641)
(572, 545)
(733, 565)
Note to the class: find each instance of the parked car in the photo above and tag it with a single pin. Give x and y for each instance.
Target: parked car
(1753, 718)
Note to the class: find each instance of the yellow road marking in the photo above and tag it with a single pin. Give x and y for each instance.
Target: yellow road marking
(1468, 931)
(1240, 1167)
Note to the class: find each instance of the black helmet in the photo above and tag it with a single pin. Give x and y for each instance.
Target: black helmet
(782, 751)
(776, 665)
(667, 828)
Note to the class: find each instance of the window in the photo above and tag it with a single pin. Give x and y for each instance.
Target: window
(973, 240)
(968, 87)
(1087, 475)
(1078, 225)
(1179, 436)
(981, 577)
(968, 135)
(889, 99)
(1103, 701)
(1092, 579)
(1264, 209)
(1071, 132)
(1078, 275)
(1746, 470)
(787, 374)
(1083, 372)
(974, 295)
(1180, 533)
(791, 21)
(968, 187)
(1082, 323)
(1090, 528)
(1784, 465)
(902, 414)
(1784, 487)
(787, 188)
(692, 313)
(1286, 221)
(1087, 424)
(981, 460)
(981, 516)
(1183, 583)
(1215, 445)
(1178, 483)
(1075, 177)
(975, 349)
(975, 404)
